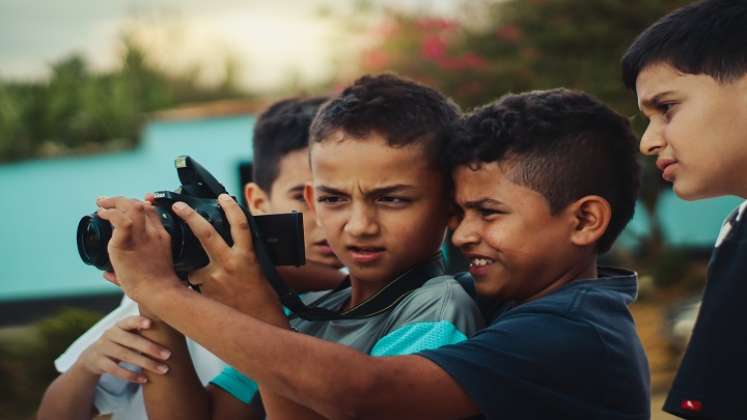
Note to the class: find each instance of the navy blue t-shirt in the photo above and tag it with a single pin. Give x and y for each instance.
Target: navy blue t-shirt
(571, 354)
(710, 383)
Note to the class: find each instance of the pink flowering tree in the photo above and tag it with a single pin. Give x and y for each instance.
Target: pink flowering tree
(497, 47)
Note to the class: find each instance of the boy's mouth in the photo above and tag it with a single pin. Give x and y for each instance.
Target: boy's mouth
(363, 255)
(666, 166)
(480, 262)
(479, 265)
(323, 247)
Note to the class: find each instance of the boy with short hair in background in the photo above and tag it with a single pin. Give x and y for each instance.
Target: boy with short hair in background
(689, 71)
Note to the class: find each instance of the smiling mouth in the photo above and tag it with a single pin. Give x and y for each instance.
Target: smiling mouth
(480, 262)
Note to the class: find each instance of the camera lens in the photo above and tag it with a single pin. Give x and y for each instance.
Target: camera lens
(93, 237)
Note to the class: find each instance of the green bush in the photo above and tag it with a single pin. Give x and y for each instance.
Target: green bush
(27, 358)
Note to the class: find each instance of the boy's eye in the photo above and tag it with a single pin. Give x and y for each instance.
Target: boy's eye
(487, 212)
(394, 201)
(665, 108)
(330, 199)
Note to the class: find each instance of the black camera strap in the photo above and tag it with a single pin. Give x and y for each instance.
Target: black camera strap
(385, 299)
(389, 295)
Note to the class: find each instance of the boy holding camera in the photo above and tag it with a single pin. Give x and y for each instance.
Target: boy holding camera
(689, 71)
(92, 378)
(545, 181)
(382, 200)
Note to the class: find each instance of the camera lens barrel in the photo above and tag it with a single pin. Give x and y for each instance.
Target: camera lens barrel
(93, 237)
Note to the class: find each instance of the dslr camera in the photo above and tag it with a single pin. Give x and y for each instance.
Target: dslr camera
(282, 234)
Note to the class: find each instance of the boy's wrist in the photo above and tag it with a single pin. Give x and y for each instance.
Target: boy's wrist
(84, 373)
(153, 298)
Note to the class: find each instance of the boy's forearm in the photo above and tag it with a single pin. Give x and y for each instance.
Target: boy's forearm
(278, 407)
(301, 368)
(333, 380)
(179, 393)
(70, 396)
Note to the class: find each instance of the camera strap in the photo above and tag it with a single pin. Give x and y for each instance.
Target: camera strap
(385, 299)
(389, 295)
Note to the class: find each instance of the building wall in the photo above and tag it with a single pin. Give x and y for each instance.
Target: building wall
(41, 202)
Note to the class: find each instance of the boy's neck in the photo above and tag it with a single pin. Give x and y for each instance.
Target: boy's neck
(587, 271)
(362, 290)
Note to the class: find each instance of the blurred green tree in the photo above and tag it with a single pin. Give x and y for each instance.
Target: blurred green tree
(80, 111)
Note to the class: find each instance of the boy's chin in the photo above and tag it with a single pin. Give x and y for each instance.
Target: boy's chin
(324, 260)
(689, 191)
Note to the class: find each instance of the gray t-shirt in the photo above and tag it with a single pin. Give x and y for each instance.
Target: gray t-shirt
(436, 314)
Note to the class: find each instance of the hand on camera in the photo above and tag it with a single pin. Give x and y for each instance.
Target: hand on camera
(122, 343)
(233, 275)
(140, 248)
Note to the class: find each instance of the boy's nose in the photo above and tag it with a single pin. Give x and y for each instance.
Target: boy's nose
(362, 222)
(465, 234)
(652, 140)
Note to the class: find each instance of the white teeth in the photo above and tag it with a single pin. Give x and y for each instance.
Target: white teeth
(479, 262)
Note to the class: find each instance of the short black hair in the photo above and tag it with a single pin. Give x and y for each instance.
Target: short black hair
(707, 37)
(281, 129)
(561, 143)
(402, 111)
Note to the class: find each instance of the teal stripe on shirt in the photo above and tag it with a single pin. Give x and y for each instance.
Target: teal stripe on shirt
(416, 337)
(239, 386)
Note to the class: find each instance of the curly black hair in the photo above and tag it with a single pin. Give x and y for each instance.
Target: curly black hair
(279, 130)
(402, 111)
(561, 143)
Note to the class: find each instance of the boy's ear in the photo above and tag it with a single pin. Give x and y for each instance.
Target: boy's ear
(308, 195)
(591, 215)
(257, 199)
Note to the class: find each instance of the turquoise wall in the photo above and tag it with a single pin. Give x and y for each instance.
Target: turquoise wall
(42, 201)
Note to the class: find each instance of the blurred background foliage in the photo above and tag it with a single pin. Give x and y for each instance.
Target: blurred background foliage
(78, 111)
(27, 358)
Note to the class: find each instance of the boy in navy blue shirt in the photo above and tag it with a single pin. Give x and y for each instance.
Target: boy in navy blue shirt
(689, 71)
(545, 181)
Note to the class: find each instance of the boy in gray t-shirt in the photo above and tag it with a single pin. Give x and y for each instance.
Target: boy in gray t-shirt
(382, 199)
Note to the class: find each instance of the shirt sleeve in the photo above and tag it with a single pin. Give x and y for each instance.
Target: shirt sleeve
(113, 394)
(237, 384)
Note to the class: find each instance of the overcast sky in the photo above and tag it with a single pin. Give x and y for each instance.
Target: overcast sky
(272, 39)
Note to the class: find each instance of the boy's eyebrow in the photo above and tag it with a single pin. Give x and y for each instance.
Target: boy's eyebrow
(374, 192)
(481, 202)
(651, 102)
(389, 189)
(329, 190)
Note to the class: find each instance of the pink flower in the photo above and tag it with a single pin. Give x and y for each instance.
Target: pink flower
(433, 47)
(436, 24)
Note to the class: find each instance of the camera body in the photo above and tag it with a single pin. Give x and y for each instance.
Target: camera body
(282, 234)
